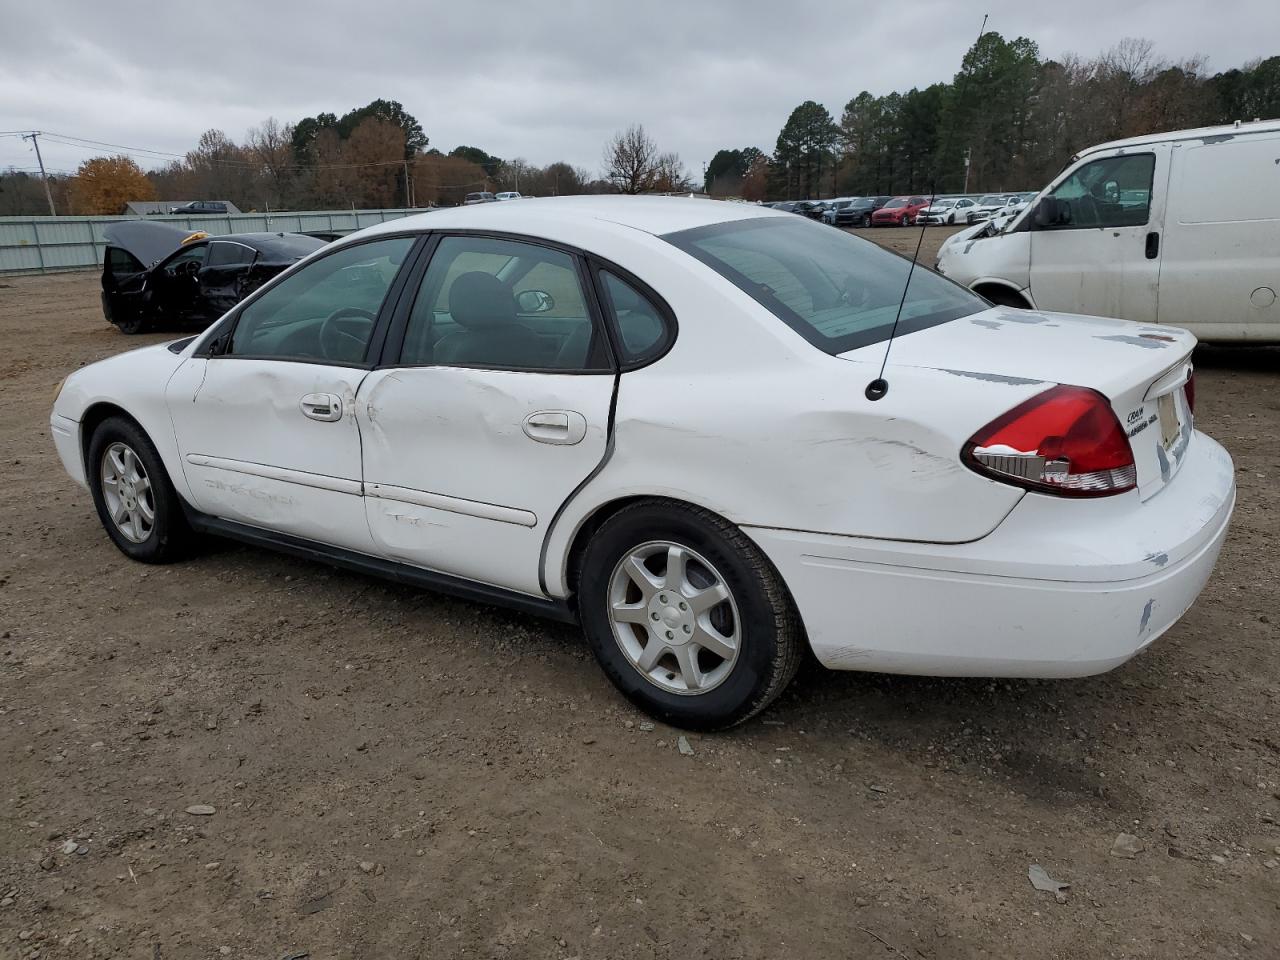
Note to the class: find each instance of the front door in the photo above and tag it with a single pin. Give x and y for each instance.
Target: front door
(1105, 259)
(266, 425)
(494, 410)
(222, 278)
(173, 288)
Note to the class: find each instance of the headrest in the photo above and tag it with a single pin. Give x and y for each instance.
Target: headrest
(478, 300)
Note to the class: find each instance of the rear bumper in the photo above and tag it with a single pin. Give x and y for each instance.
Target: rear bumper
(1062, 588)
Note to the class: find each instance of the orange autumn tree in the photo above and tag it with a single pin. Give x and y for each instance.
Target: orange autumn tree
(104, 185)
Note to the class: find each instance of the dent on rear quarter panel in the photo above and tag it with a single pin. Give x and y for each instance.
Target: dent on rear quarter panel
(803, 449)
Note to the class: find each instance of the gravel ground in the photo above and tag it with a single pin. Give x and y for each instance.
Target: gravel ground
(393, 773)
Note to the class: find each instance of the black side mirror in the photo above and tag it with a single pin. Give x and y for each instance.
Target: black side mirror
(1052, 212)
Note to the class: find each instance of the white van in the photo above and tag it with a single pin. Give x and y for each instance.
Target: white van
(1180, 228)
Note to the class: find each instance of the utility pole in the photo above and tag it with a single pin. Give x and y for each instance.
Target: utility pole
(34, 136)
(407, 201)
(967, 154)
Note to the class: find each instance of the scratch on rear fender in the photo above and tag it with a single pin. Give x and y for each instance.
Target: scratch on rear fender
(1146, 616)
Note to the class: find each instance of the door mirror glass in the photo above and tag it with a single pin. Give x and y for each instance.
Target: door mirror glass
(535, 301)
(1052, 212)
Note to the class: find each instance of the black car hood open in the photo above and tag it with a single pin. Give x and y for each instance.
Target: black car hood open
(146, 241)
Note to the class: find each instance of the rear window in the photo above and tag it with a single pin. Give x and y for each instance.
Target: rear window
(838, 291)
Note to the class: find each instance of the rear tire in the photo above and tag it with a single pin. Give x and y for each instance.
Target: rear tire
(660, 571)
(136, 503)
(132, 325)
(1003, 297)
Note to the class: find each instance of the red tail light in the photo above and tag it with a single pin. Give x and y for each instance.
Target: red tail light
(1190, 390)
(1066, 440)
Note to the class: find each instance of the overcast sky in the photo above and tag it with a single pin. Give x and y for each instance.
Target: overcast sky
(544, 81)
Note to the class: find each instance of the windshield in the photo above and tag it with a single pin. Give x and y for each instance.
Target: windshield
(895, 203)
(943, 204)
(837, 291)
(991, 200)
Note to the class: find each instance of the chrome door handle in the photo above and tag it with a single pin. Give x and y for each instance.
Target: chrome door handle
(326, 407)
(555, 426)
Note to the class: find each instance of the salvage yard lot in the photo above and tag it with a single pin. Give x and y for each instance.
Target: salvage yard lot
(398, 774)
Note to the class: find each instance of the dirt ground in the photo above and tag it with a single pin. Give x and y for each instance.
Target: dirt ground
(397, 774)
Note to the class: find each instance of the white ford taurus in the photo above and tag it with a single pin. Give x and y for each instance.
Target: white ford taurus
(652, 416)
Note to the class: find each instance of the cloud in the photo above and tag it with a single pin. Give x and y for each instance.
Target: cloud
(545, 81)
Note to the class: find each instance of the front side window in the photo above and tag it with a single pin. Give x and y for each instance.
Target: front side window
(1111, 192)
(187, 262)
(837, 291)
(508, 304)
(326, 310)
(121, 263)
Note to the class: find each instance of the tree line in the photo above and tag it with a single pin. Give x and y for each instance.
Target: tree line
(370, 157)
(1008, 120)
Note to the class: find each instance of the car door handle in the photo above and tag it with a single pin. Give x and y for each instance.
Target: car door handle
(322, 406)
(1153, 245)
(555, 426)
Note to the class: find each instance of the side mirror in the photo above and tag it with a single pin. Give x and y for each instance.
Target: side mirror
(1052, 212)
(534, 301)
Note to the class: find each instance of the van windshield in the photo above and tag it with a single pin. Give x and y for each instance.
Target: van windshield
(838, 291)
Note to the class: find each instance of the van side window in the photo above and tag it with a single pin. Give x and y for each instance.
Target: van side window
(1111, 192)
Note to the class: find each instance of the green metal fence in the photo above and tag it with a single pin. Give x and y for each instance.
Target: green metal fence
(48, 244)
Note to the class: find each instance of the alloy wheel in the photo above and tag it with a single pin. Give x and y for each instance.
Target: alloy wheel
(126, 488)
(674, 617)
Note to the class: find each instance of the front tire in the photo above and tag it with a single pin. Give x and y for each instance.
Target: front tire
(685, 615)
(136, 503)
(866, 219)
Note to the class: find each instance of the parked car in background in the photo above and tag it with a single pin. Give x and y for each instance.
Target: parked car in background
(859, 212)
(548, 430)
(158, 275)
(899, 212)
(200, 207)
(988, 206)
(813, 209)
(1179, 228)
(509, 195)
(482, 196)
(947, 211)
(834, 207)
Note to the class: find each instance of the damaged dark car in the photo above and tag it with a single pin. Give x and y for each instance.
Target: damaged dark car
(157, 276)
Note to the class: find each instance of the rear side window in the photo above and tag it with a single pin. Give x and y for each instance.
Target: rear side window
(504, 304)
(837, 291)
(642, 332)
(226, 254)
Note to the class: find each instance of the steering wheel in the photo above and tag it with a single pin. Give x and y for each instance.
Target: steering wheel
(344, 334)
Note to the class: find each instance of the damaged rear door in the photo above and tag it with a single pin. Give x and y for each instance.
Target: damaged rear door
(493, 409)
(265, 419)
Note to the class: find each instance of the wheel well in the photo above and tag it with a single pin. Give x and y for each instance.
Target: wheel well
(594, 521)
(93, 417)
(1002, 296)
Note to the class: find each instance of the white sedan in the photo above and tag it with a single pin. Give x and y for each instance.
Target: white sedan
(665, 419)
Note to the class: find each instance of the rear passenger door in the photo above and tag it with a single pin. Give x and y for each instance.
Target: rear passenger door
(491, 409)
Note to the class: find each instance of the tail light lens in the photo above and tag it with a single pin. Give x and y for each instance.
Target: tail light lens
(1066, 440)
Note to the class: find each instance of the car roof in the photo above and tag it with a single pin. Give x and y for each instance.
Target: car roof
(654, 215)
(1227, 131)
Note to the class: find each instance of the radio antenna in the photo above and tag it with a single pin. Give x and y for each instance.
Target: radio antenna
(878, 387)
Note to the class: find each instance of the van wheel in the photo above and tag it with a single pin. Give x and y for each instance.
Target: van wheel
(1004, 297)
(686, 616)
(132, 324)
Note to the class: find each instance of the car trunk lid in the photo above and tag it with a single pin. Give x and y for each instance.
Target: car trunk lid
(1141, 370)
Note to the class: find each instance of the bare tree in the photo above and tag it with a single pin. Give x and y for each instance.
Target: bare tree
(271, 147)
(670, 175)
(631, 160)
